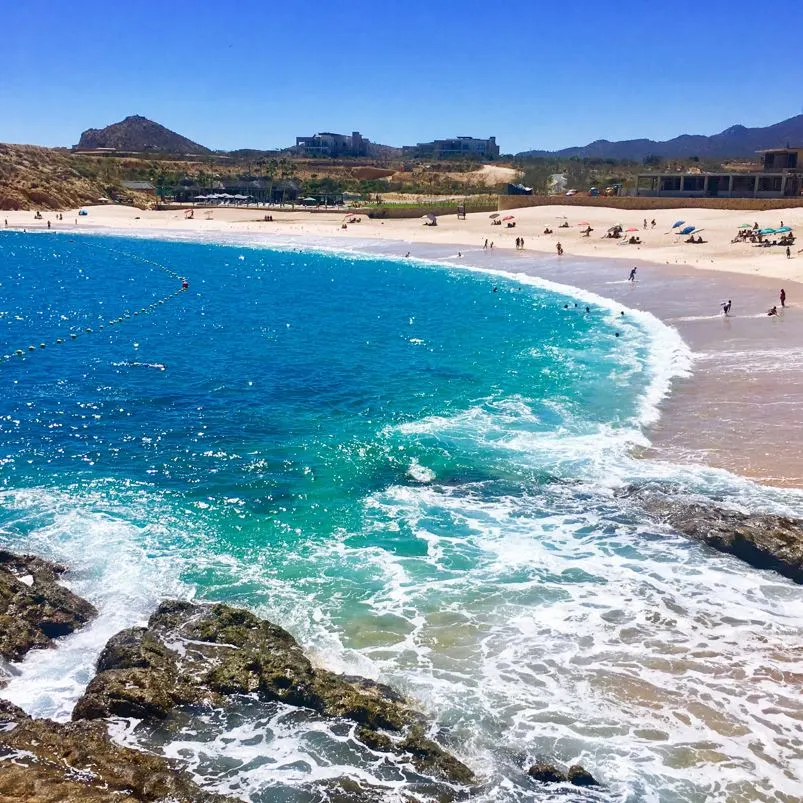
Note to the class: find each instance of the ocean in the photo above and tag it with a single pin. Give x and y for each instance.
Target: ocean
(413, 467)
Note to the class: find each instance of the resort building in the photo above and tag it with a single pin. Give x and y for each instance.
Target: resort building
(466, 147)
(781, 177)
(326, 143)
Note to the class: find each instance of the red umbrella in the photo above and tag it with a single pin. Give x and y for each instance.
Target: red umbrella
(633, 228)
(584, 223)
(509, 217)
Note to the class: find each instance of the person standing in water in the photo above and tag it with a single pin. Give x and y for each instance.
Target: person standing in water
(560, 249)
(632, 277)
(726, 307)
(782, 297)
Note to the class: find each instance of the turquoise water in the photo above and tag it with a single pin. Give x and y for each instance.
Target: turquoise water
(412, 468)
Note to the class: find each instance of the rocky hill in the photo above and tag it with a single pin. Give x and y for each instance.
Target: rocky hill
(48, 178)
(732, 142)
(138, 134)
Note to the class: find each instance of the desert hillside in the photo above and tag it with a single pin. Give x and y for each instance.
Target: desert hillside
(44, 178)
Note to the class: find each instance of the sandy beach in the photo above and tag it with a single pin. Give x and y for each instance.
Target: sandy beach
(741, 408)
(660, 244)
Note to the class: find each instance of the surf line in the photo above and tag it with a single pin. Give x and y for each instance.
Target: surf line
(185, 285)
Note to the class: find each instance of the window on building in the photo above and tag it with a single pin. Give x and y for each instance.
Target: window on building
(769, 184)
(744, 183)
(693, 183)
(670, 183)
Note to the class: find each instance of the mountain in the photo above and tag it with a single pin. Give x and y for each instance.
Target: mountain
(734, 141)
(138, 134)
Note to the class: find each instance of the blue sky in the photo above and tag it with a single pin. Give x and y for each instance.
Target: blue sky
(535, 74)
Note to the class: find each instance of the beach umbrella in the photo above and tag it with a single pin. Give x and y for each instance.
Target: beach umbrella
(494, 216)
(632, 228)
(687, 230)
(509, 217)
(766, 231)
(745, 226)
(783, 230)
(678, 223)
(584, 223)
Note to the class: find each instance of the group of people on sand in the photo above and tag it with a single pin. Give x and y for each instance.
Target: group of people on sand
(772, 311)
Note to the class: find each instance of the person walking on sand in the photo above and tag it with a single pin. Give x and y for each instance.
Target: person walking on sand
(726, 307)
(486, 244)
(782, 297)
(522, 243)
(632, 277)
(559, 249)
(788, 252)
(645, 223)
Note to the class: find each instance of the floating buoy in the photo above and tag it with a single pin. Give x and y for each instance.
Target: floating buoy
(88, 330)
(41, 345)
(31, 348)
(59, 341)
(73, 335)
(19, 352)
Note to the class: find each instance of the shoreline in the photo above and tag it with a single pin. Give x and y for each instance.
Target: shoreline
(722, 416)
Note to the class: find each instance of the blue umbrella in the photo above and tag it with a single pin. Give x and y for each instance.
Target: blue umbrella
(678, 223)
(783, 230)
(687, 230)
(766, 231)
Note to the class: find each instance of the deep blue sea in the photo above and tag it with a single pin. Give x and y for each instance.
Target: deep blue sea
(411, 467)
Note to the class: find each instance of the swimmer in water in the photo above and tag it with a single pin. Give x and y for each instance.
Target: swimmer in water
(772, 311)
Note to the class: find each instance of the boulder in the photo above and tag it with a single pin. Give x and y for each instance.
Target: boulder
(763, 540)
(34, 608)
(49, 762)
(192, 654)
(549, 773)
(580, 776)
(546, 773)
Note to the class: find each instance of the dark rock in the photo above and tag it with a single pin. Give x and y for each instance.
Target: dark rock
(49, 762)
(34, 608)
(546, 773)
(765, 541)
(580, 776)
(216, 651)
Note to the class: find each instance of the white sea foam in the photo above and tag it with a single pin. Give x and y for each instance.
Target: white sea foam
(114, 563)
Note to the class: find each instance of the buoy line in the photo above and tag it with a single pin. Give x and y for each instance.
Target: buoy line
(21, 353)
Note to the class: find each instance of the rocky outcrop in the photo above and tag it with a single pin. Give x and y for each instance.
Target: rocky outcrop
(49, 762)
(549, 773)
(763, 540)
(34, 608)
(137, 133)
(193, 654)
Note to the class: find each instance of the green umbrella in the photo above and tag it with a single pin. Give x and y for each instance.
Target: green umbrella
(745, 226)
(783, 230)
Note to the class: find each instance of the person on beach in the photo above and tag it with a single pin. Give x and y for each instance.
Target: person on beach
(652, 224)
(560, 250)
(486, 243)
(726, 307)
(491, 246)
(772, 311)
(645, 222)
(788, 252)
(632, 277)
(782, 297)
